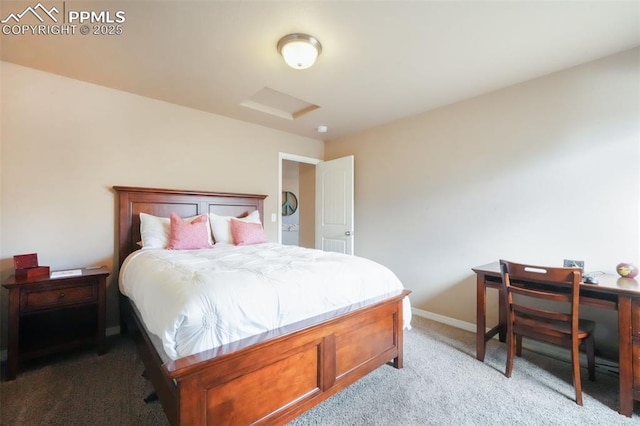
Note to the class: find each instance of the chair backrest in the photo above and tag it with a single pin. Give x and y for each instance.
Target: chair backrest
(541, 283)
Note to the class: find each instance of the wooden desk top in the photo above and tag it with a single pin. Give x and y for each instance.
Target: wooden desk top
(607, 283)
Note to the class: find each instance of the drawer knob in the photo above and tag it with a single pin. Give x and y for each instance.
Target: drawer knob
(61, 295)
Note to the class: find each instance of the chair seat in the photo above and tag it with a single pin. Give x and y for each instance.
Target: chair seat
(585, 327)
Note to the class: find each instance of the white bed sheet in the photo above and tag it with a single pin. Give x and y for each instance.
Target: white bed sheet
(196, 300)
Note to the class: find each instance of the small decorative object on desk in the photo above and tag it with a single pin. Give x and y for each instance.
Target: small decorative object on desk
(627, 270)
(26, 266)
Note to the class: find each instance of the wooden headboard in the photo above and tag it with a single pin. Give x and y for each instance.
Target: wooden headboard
(162, 202)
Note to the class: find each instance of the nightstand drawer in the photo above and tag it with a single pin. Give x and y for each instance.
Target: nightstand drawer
(46, 298)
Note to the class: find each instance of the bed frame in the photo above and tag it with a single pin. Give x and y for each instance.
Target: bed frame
(266, 379)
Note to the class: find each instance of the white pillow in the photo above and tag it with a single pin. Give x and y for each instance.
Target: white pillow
(221, 225)
(155, 230)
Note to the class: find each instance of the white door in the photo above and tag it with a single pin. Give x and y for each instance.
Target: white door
(334, 205)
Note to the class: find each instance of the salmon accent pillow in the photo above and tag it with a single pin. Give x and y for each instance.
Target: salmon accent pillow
(155, 230)
(189, 235)
(246, 233)
(221, 225)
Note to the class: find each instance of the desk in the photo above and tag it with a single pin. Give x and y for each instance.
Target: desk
(612, 292)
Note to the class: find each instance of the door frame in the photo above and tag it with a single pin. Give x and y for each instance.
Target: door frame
(291, 157)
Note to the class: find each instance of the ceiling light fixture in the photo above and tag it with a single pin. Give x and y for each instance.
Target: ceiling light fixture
(299, 51)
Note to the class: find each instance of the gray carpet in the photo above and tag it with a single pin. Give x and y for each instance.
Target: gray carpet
(82, 388)
(442, 384)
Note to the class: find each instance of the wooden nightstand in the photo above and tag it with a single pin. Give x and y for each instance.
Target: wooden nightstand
(48, 315)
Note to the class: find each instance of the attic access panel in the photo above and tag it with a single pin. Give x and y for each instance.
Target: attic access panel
(279, 104)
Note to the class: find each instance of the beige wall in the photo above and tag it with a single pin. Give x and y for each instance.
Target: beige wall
(65, 143)
(307, 199)
(537, 172)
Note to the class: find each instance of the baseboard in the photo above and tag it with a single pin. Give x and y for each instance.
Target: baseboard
(444, 320)
(528, 344)
(111, 331)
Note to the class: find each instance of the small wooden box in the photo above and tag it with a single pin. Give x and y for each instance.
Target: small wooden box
(36, 271)
(26, 266)
(24, 261)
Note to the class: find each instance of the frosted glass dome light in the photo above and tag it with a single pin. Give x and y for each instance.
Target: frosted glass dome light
(299, 51)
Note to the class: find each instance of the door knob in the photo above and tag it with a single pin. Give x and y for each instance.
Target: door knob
(347, 233)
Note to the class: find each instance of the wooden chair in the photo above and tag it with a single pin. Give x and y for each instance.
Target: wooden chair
(558, 290)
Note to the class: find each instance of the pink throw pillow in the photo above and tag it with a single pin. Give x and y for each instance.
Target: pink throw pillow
(188, 235)
(245, 233)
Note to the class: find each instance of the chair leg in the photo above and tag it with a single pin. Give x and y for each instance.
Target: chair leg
(591, 358)
(518, 345)
(511, 346)
(575, 362)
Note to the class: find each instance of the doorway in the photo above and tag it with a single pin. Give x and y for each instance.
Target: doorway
(324, 203)
(297, 200)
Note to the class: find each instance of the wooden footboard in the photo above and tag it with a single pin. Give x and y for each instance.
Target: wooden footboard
(275, 377)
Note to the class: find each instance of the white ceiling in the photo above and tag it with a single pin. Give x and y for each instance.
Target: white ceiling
(381, 60)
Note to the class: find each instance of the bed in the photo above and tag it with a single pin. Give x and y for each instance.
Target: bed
(267, 378)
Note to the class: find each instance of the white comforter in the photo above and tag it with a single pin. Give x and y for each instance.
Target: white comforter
(200, 299)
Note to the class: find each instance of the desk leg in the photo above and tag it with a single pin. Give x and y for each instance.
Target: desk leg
(625, 359)
(481, 317)
(502, 317)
